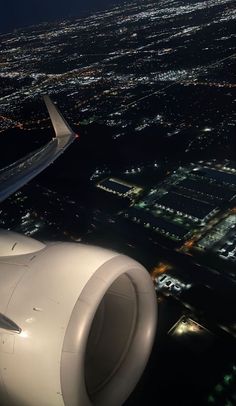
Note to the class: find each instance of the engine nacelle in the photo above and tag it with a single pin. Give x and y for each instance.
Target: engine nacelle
(84, 318)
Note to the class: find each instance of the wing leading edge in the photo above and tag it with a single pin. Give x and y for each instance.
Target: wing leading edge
(16, 175)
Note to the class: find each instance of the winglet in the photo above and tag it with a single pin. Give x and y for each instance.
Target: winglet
(61, 127)
(16, 175)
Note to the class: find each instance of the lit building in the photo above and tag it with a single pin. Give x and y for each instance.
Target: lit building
(188, 203)
(120, 188)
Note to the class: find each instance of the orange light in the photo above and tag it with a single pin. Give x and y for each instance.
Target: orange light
(158, 270)
(20, 126)
(189, 243)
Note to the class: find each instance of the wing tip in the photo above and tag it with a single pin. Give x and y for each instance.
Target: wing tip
(60, 125)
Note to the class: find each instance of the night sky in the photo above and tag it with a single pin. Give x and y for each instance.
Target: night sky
(18, 13)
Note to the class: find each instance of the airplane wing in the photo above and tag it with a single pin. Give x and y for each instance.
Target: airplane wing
(16, 175)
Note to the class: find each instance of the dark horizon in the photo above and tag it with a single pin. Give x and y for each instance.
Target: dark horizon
(15, 16)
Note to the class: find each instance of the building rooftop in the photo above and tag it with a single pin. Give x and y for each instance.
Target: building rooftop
(120, 188)
(217, 175)
(159, 223)
(205, 188)
(116, 186)
(191, 207)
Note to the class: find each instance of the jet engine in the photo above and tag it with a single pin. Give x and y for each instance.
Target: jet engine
(77, 323)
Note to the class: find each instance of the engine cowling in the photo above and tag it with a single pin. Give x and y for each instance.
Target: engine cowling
(86, 321)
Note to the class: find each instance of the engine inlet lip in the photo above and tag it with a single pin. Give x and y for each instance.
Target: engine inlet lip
(117, 390)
